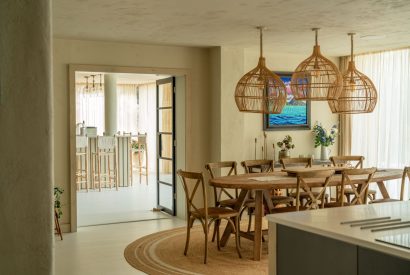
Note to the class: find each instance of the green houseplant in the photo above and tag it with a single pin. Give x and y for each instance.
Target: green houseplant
(285, 146)
(58, 191)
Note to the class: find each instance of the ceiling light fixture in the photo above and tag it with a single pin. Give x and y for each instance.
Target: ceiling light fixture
(316, 78)
(260, 90)
(359, 95)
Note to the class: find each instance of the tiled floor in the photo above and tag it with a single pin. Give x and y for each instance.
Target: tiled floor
(133, 203)
(99, 249)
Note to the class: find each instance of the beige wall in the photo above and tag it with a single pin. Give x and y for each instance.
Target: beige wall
(195, 60)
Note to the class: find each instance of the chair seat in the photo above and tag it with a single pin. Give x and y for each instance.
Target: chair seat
(383, 200)
(350, 191)
(215, 212)
(228, 203)
(306, 194)
(281, 200)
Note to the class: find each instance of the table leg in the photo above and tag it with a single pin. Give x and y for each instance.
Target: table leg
(383, 190)
(238, 207)
(257, 244)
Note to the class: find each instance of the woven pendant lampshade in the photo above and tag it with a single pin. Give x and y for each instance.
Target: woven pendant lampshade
(359, 95)
(316, 78)
(260, 90)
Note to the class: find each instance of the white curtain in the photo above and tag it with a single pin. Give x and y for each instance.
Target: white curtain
(383, 136)
(90, 107)
(127, 108)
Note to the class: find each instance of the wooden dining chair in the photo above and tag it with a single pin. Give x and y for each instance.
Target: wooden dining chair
(264, 166)
(222, 197)
(302, 162)
(359, 187)
(193, 184)
(355, 162)
(320, 179)
(406, 174)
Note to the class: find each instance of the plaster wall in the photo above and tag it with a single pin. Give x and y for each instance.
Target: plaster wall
(26, 229)
(195, 60)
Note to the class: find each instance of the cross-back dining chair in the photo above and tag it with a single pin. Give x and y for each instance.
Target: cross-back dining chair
(222, 197)
(320, 179)
(264, 166)
(406, 175)
(354, 162)
(302, 162)
(195, 190)
(358, 181)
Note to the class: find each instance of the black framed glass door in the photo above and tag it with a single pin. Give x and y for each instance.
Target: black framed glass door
(166, 145)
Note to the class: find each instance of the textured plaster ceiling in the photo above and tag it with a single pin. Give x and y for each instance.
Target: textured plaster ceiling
(231, 23)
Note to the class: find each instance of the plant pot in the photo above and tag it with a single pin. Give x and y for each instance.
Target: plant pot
(284, 154)
(324, 153)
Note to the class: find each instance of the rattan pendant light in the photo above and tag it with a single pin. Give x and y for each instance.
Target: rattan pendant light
(359, 95)
(316, 78)
(260, 90)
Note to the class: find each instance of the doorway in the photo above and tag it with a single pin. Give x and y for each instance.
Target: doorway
(143, 155)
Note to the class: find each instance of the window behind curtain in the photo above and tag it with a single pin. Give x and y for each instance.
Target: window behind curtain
(383, 136)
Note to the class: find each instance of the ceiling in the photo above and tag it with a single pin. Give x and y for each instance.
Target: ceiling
(231, 23)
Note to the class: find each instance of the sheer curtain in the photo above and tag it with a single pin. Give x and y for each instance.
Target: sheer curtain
(127, 108)
(383, 136)
(90, 108)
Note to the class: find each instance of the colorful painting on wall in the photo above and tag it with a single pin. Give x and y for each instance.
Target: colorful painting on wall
(295, 115)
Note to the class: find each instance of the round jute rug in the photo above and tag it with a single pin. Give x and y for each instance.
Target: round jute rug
(163, 253)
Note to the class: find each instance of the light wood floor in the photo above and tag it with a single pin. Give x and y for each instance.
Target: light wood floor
(99, 249)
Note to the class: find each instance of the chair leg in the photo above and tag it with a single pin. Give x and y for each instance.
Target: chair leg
(250, 220)
(188, 232)
(214, 233)
(237, 238)
(206, 243)
(217, 224)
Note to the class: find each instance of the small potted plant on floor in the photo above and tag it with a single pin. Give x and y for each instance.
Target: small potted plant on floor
(285, 146)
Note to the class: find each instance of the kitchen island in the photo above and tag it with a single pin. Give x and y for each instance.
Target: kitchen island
(344, 240)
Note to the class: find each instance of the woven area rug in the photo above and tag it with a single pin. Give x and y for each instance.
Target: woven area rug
(163, 253)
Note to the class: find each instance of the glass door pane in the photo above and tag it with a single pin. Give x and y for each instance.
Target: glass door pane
(166, 145)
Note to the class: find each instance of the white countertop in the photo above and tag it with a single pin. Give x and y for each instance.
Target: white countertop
(326, 222)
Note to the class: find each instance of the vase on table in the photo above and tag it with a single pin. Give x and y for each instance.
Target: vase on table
(284, 154)
(324, 153)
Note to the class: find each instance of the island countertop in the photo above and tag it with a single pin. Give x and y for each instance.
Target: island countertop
(327, 223)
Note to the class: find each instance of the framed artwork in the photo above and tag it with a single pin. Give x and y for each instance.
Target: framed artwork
(295, 115)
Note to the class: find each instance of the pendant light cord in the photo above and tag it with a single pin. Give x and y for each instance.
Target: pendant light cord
(351, 46)
(260, 40)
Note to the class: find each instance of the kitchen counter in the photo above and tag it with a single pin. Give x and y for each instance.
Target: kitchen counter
(325, 226)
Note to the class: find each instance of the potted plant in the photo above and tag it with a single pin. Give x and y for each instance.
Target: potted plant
(58, 191)
(285, 146)
(324, 138)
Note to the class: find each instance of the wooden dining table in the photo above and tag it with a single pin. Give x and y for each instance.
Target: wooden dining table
(262, 183)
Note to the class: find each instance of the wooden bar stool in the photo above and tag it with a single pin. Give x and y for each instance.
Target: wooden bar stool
(81, 155)
(105, 161)
(142, 152)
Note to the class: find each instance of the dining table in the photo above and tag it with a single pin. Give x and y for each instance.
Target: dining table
(261, 184)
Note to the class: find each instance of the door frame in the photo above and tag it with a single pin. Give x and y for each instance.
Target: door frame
(185, 118)
(163, 208)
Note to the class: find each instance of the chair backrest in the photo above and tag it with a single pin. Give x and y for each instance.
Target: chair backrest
(142, 138)
(220, 192)
(406, 173)
(306, 162)
(308, 179)
(106, 142)
(257, 166)
(349, 161)
(192, 181)
(81, 142)
(358, 180)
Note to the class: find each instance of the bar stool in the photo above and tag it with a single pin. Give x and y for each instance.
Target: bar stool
(142, 148)
(81, 156)
(105, 160)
